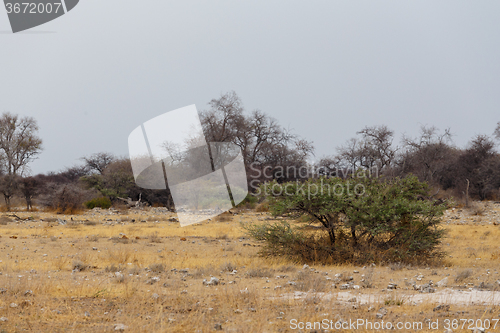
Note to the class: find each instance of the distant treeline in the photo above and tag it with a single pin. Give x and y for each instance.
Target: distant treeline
(268, 149)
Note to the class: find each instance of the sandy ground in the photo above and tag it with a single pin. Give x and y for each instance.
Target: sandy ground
(139, 271)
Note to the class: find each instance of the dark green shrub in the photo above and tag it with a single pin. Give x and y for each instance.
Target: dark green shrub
(360, 220)
(101, 202)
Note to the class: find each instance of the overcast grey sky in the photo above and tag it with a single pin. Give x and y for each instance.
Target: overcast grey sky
(322, 68)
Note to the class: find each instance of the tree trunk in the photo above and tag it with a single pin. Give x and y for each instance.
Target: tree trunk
(331, 233)
(354, 238)
(467, 195)
(7, 202)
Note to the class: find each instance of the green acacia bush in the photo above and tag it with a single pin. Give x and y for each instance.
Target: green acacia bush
(361, 220)
(102, 202)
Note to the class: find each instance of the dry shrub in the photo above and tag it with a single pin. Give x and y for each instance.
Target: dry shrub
(367, 281)
(287, 269)
(397, 266)
(308, 281)
(154, 238)
(157, 268)
(114, 268)
(463, 275)
(93, 238)
(60, 263)
(66, 198)
(227, 267)
(260, 272)
(204, 271)
(120, 240)
(91, 223)
(476, 209)
(120, 256)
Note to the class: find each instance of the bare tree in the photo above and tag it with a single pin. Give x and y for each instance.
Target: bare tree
(220, 122)
(496, 134)
(99, 161)
(19, 145)
(264, 143)
(427, 155)
(377, 149)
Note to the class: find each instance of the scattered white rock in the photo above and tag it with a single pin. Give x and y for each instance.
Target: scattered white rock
(120, 327)
(213, 281)
(443, 282)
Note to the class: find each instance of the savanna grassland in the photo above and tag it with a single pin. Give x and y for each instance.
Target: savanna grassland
(139, 271)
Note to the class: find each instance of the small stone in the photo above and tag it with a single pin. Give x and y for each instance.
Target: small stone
(120, 327)
(352, 299)
(155, 296)
(213, 281)
(238, 311)
(13, 305)
(443, 282)
(218, 327)
(4, 319)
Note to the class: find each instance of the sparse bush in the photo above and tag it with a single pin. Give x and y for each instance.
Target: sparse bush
(65, 198)
(93, 238)
(227, 267)
(308, 281)
(463, 275)
(386, 221)
(122, 240)
(154, 238)
(287, 269)
(259, 272)
(102, 202)
(113, 268)
(367, 281)
(204, 271)
(157, 268)
(477, 209)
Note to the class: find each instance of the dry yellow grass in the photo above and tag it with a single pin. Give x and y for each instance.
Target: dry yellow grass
(90, 272)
